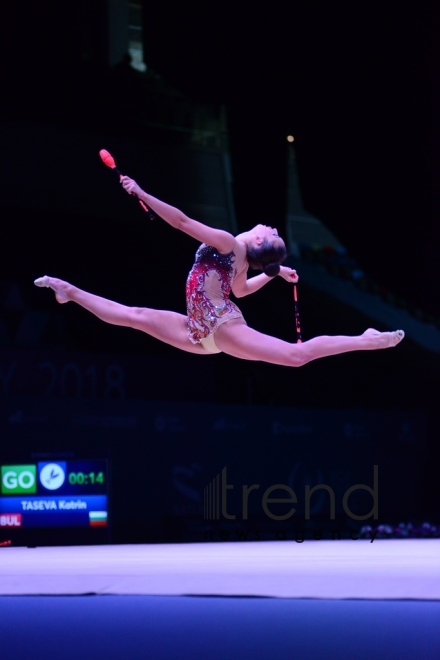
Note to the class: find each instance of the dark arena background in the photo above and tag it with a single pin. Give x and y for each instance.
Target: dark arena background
(188, 524)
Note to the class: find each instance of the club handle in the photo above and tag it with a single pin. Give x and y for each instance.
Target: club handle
(109, 161)
(297, 320)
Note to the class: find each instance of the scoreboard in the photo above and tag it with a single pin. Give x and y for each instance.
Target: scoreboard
(51, 494)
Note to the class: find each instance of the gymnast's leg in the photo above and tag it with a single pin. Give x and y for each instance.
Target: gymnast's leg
(166, 326)
(238, 340)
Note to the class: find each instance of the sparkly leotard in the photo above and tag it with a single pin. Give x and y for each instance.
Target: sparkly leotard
(207, 291)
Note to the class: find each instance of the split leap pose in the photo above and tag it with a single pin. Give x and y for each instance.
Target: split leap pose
(214, 323)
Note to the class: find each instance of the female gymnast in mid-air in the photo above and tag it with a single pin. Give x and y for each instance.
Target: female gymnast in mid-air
(214, 323)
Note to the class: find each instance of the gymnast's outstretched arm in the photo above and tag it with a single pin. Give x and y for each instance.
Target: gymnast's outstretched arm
(218, 238)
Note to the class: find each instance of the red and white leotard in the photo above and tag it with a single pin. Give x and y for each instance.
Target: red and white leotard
(208, 288)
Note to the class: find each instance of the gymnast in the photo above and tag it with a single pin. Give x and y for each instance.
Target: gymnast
(214, 323)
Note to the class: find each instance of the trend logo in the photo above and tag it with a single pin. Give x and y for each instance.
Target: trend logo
(52, 475)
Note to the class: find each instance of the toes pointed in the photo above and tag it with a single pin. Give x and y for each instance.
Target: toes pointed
(398, 336)
(42, 281)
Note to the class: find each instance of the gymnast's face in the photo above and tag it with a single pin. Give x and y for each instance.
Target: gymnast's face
(261, 233)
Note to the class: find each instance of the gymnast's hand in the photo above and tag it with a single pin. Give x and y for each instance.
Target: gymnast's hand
(130, 186)
(289, 274)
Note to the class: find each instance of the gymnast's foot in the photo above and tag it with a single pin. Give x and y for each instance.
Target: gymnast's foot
(60, 287)
(386, 339)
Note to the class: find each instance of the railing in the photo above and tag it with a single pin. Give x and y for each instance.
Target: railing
(340, 264)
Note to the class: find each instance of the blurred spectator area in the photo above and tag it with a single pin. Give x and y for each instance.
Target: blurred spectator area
(311, 241)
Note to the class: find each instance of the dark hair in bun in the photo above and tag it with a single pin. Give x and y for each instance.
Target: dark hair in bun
(267, 257)
(271, 269)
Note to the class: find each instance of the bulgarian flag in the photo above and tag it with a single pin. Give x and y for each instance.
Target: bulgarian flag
(98, 518)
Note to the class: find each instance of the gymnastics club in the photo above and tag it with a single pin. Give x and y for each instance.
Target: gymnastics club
(108, 160)
(298, 327)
